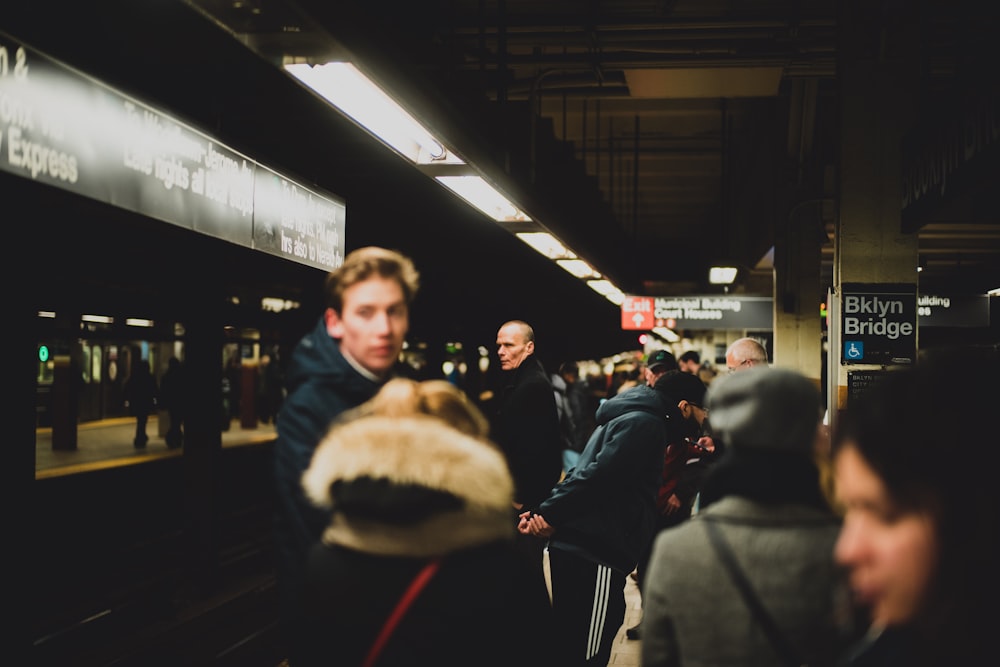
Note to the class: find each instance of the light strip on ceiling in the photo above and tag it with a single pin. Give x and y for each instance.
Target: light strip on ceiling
(669, 334)
(548, 245)
(483, 196)
(608, 290)
(579, 268)
(356, 96)
(722, 275)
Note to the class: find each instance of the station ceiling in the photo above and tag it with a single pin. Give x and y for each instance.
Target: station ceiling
(656, 138)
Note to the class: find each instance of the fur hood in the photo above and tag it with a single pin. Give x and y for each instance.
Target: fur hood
(409, 486)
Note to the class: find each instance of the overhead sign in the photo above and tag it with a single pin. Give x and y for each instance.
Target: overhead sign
(637, 313)
(934, 310)
(879, 324)
(62, 128)
(698, 312)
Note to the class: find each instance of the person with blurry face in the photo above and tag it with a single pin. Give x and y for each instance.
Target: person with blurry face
(745, 353)
(761, 504)
(921, 522)
(350, 353)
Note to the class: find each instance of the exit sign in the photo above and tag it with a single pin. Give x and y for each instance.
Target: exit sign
(637, 313)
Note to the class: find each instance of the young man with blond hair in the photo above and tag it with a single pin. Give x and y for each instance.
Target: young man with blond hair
(340, 364)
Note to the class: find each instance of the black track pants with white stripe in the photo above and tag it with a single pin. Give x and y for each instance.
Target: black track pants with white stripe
(588, 602)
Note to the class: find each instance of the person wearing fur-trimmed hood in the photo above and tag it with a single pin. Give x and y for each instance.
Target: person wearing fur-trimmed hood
(414, 499)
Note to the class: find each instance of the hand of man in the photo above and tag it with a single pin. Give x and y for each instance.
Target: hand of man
(673, 504)
(534, 524)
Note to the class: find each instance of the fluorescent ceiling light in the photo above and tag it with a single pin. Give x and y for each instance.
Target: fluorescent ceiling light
(138, 322)
(49, 314)
(608, 290)
(602, 287)
(99, 319)
(482, 195)
(579, 268)
(617, 298)
(722, 275)
(669, 334)
(546, 244)
(356, 96)
(994, 292)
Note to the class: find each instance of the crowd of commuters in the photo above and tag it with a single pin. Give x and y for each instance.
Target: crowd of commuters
(441, 517)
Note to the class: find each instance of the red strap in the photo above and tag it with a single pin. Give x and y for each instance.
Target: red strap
(409, 596)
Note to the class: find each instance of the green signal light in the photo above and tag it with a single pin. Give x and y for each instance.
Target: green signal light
(43, 353)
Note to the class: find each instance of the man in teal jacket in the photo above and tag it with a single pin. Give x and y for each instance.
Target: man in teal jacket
(599, 519)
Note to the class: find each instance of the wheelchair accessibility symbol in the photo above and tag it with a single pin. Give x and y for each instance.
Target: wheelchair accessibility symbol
(854, 349)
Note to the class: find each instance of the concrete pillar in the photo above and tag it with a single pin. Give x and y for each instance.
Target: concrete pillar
(878, 71)
(797, 257)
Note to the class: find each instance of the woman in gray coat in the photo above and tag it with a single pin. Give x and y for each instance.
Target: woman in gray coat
(764, 498)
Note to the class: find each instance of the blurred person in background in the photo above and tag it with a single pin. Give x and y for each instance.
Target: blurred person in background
(745, 353)
(173, 398)
(657, 364)
(690, 362)
(141, 394)
(921, 533)
(581, 407)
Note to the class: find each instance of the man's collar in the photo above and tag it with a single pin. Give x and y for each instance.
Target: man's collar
(357, 366)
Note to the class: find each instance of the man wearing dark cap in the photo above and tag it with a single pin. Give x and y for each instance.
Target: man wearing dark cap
(659, 362)
(763, 497)
(687, 451)
(600, 518)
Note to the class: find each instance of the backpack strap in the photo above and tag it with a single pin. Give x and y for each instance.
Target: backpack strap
(397, 614)
(739, 579)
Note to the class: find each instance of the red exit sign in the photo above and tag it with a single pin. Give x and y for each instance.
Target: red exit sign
(637, 313)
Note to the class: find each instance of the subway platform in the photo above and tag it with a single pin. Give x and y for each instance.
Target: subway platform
(108, 443)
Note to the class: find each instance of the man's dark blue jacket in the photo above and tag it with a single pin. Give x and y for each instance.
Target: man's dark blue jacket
(321, 385)
(605, 510)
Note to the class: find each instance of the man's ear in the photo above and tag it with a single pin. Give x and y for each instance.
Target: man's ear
(529, 347)
(334, 325)
(685, 409)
